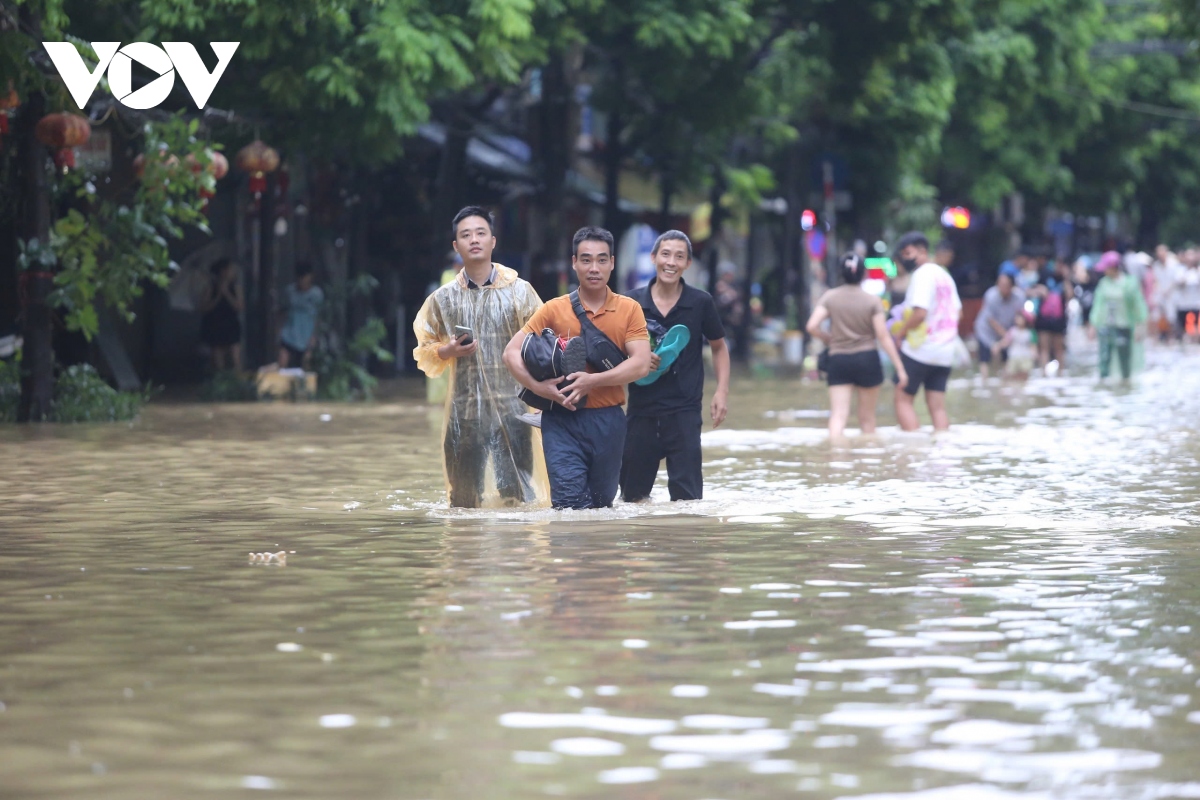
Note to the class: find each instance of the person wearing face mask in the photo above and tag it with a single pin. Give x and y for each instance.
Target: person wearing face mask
(927, 331)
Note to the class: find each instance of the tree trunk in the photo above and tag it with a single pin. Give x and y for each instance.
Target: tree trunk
(37, 374)
(667, 188)
(550, 255)
(712, 253)
(451, 181)
(613, 156)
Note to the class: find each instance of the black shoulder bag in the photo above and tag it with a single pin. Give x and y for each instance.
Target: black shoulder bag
(602, 353)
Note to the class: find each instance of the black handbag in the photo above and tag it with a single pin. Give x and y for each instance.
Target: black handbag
(543, 358)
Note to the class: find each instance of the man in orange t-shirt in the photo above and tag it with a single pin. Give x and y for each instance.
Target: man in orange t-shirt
(582, 442)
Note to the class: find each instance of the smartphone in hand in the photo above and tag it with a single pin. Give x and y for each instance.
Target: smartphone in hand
(462, 330)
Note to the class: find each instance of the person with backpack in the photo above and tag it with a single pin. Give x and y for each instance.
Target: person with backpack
(607, 347)
(1053, 293)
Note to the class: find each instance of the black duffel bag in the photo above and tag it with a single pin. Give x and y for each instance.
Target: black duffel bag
(543, 358)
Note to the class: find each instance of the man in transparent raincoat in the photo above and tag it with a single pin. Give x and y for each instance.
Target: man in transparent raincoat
(490, 456)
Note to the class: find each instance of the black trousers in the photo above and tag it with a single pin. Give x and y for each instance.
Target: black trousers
(648, 440)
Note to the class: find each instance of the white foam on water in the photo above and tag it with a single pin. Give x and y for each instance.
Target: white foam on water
(717, 745)
(682, 761)
(984, 732)
(753, 624)
(1037, 699)
(337, 721)
(961, 636)
(973, 791)
(637, 726)
(1057, 766)
(628, 775)
(587, 746)
(259, 782)
(856, 715)
(724, 722)
(689, 690)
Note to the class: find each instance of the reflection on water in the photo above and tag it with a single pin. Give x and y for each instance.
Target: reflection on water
(1004, 612)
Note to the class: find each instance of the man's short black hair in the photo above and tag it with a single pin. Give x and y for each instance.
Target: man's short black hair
(473, 211)
(672, 235)
(911, 238)
(945, 245)
(303, 268)
(590, 233)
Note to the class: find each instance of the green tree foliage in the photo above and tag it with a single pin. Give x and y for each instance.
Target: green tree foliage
(344, 78)
(103, 249)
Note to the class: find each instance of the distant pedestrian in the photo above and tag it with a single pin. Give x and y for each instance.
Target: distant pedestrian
(1022, 351)
(1162, 308)
(302, 305)
(1117, 312)
(857, 329)
(928, 332)
(1053, 293)
(1186, 296)
(221, 325)
(1001, 305)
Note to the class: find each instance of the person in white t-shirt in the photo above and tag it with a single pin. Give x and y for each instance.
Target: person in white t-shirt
(927, 331)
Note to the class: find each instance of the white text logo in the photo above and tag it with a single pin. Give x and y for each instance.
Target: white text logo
(172, 57)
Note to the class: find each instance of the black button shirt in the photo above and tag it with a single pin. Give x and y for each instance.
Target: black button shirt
(680, 388)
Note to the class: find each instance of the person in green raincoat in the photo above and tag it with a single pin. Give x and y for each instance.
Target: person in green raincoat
(1118, 311)
(490, 457)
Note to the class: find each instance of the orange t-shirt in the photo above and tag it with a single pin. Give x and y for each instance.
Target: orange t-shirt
(621, 319)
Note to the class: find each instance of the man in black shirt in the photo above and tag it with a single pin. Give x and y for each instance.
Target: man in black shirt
(664, 417)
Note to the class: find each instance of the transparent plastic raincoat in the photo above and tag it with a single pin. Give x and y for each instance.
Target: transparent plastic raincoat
(490, 458)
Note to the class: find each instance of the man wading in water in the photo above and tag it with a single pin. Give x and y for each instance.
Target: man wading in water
(583, 433)
(464, 326)
(665, 407)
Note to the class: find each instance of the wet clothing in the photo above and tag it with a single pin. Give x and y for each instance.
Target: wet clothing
(681, 387)
(481, 428)
(221, 326)
(935, 340)
(1118, 307)
(851, 319)
(620, 319)
(862, 369)
(295, 357)
(665, 416)
(999, 309)
(933, 378)
(1119, 303)
(583, 454)
(1116, 344)
(648, 440)
(1052, 311)
(302, 311)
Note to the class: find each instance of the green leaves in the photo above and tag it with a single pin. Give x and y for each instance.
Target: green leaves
(101, 250)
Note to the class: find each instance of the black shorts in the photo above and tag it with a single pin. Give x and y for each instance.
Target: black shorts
(920, 374)
(1056, 325)
(295, 357)
(985, 354)
(860, 369)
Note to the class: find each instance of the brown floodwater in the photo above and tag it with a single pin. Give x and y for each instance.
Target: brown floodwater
(1007, 611)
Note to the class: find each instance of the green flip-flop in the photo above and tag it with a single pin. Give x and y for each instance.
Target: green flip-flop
(669, 348)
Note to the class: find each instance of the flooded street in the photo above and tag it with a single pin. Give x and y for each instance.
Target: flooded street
(1006, 611)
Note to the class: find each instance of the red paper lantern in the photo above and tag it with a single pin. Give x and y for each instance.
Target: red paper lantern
(218, 164)
(63, 130)
(258, 159)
